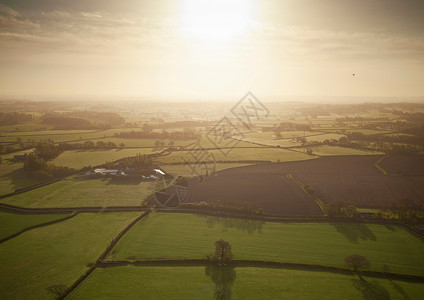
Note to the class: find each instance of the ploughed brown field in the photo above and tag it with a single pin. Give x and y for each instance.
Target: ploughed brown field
(353, 179)
(404, 164)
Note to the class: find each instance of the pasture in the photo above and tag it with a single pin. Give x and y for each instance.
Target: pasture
(79, 191)
(78, 159)
(241, 283)
(12, 223)
(187, 171)
(177, 236)
(327, 150)
(12, 176)
(237, 154)
(55, 254)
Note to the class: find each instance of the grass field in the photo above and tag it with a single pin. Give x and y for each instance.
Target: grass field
(24, 127)
(12, 223)
(56, 254)
(12, 176)
(326, 150)
(322, 137)
(79, 191)
(189, 236)
(186, 171)
(249, 283)
(239, 154)
(210, 142)
(82, 158)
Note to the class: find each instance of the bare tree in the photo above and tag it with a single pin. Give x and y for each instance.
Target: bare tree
(357, 262)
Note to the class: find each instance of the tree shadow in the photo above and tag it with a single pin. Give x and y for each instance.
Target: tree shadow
(400, 290)
(244, 225)
(371, 290)
(122, 180)
(354, 231)
(390, 227)
(223, 277)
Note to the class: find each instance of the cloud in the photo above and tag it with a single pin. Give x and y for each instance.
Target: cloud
(7, 11)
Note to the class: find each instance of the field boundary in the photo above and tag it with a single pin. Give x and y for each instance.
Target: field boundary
(377, 165)
(260, 264)
(37, 226)
(303, 186)
(31, 187)
(102, 256)
(218, 213)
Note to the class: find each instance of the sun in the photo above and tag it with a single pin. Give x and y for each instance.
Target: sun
(216, 20)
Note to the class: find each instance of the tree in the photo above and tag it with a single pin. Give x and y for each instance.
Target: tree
(223, 252)
(357, 262)
(351, 211)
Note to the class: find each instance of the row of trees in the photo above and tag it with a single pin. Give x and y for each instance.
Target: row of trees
(13, 118)
(186, 134)
(339, 208)
(37, 168)
(48, 149)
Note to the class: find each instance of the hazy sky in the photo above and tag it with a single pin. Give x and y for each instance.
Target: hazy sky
(211, 49)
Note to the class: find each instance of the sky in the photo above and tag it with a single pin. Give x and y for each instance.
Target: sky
(201, 49)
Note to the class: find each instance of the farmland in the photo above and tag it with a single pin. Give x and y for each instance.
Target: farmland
(13, 223)
(266, 190)
(192, 283)
(78, 191)
(36, 259)
(239, 154)
(355, 179)
(177, 236)
(78, 159)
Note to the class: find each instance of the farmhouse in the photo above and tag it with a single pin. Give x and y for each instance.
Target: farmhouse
(106, 172)
(366, 215)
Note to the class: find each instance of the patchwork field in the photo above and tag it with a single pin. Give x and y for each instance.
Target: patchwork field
(237, 154)
(56, 254)
(187, 171)
(176, 236)
(239, 283)
(79, 191)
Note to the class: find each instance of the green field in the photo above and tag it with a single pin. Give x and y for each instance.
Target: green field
(24, 127)
(187, 171)
(238, 154)
(78, 159)
(12, 176)
(148, 143)
(326, 150)
(13, 223)
(211, 142)
(56, 254)
(172, 236)
(322, 137)
(59, 136)
(79, 191)
(244, 283)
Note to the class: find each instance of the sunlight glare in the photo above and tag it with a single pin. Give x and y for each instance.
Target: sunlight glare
(216, 20)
